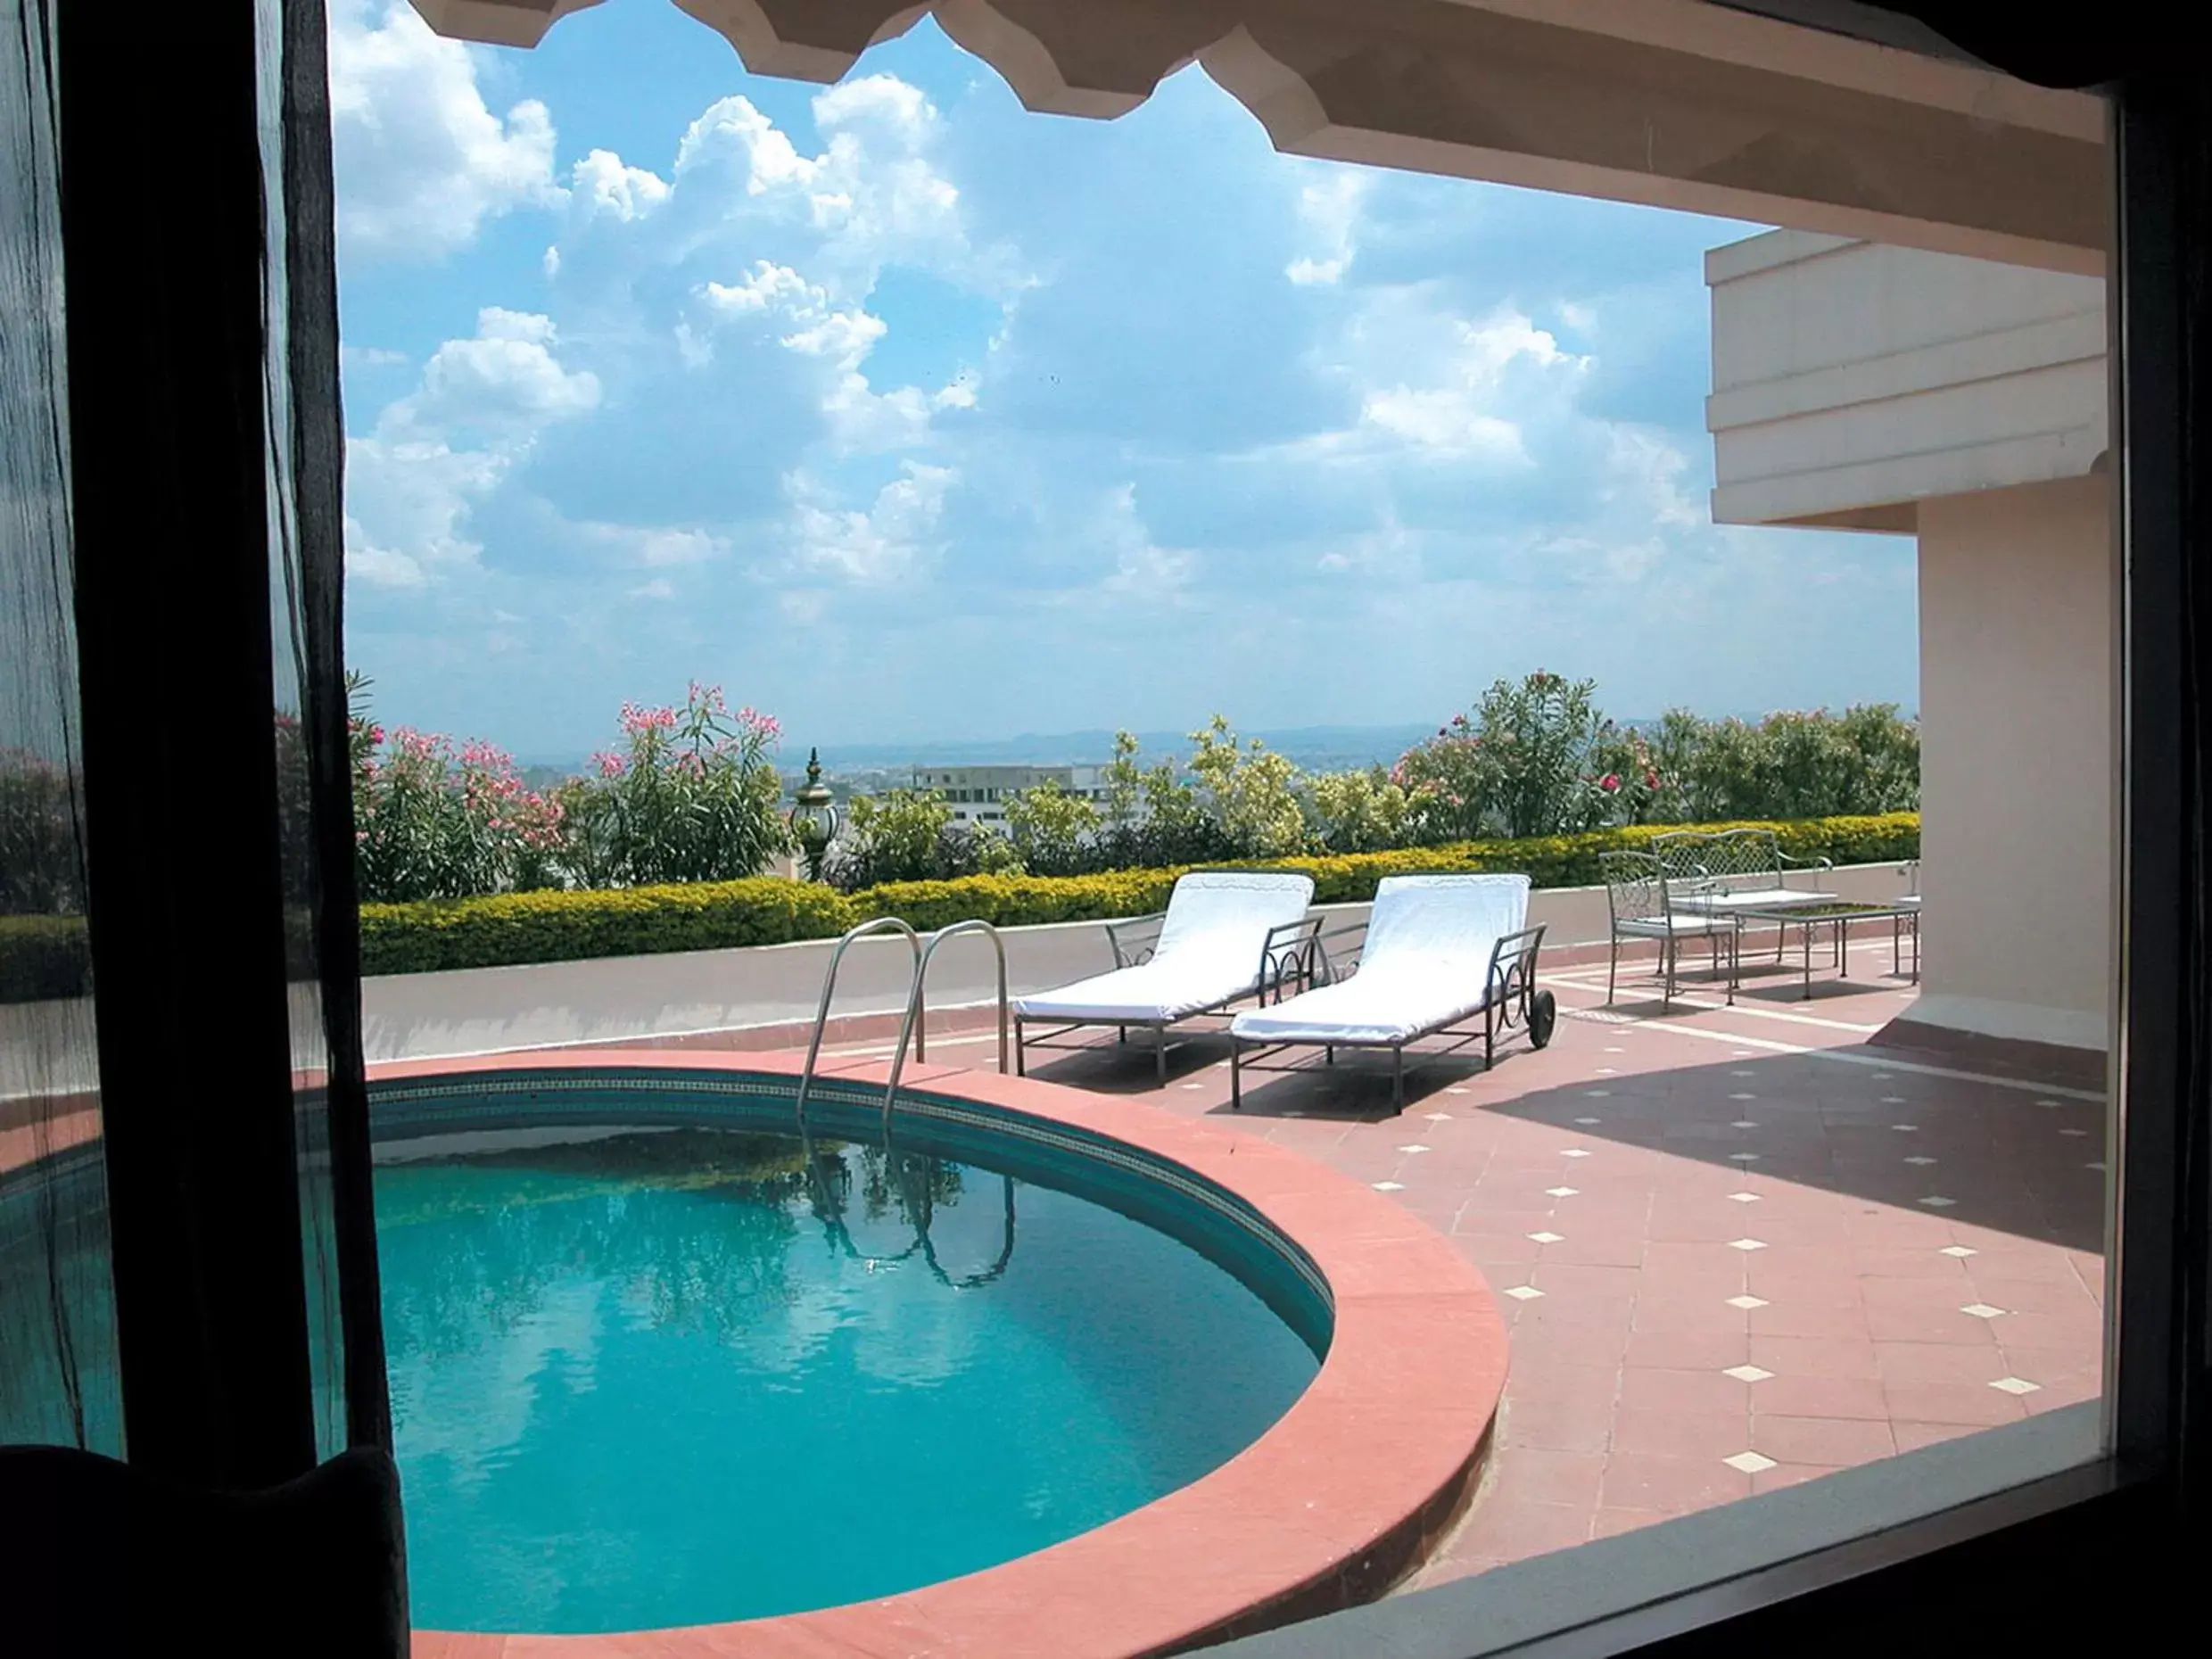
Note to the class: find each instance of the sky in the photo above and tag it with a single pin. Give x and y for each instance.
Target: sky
(902, 413)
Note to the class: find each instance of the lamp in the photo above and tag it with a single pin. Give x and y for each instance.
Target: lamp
(813, 816)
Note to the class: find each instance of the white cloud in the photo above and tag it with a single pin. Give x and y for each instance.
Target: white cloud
(884, 544)
(1328, 209)
(412, 483)
(420, 160)
(604, 184)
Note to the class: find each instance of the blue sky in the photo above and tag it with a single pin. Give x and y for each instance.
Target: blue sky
(902, 413)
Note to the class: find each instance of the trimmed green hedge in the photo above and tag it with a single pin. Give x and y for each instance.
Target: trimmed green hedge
(572, 926)
(43, 958)
(518, 927)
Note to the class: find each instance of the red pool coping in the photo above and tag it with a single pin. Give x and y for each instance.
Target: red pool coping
(1327, 1508)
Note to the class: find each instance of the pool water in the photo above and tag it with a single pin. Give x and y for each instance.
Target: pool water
(685, 1375)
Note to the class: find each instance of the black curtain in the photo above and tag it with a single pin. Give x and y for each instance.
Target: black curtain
(191, 1363)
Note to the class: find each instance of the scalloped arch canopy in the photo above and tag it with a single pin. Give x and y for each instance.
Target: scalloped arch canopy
(1672, 103)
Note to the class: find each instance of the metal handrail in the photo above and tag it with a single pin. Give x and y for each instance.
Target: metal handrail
(918, 1015)
(881, 924)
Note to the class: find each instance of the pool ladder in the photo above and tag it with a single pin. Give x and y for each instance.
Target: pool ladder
(913, 1021)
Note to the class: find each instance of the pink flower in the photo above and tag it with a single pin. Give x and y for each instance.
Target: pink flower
(1610, 782)
(1651, 779)
(610, 764)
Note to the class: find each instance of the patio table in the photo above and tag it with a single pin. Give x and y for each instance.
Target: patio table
(1838, 914)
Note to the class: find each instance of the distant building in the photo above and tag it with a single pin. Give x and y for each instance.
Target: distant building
(977, 794)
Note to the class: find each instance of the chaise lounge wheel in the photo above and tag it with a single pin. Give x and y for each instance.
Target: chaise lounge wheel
(1543, 1015)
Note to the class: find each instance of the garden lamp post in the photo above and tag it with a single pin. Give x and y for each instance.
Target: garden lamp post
(813, 816)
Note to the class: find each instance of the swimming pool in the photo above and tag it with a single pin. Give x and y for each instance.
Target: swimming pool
(1338, 1497)
(658, 1360)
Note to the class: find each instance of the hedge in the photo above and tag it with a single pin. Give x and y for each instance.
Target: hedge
(518, 927)
(43, 958)
(575, 925)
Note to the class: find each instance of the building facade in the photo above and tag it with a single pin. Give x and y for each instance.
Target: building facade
(977, 794)
(1960, 402)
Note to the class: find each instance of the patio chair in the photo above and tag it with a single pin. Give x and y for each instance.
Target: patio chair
(1226, 935)
(1643, 896)
(1439, 951)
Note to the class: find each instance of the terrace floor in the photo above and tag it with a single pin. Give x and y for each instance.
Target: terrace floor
(1736, 1247)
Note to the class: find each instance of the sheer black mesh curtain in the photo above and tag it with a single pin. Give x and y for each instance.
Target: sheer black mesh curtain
(192, 1424)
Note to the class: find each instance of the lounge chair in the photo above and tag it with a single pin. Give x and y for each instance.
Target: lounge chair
(1226, 935)
(1439, 951)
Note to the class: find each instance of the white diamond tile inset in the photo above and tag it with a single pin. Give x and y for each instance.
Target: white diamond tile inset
(1743, 1198)
(1922, 1161)
(1574, 1152)
(1893, 1100)
(1549, 1238)
(1413, 1146)
(1390, 1186)
(1935, 1203)
(1455, 1091)
(1589, 1123)
(1746, 1303)
(1906, 1128)
(1961, 1252)
(1983, 1310)
(2046, 1103)
(2017, 1385)
(1523, 1292)
(1561, 1191)
(1744, 1158)
(1881, 1077)
(1742, 1123)
(1193, 1086)
(1740, 1074)
(2098, 1168)
(2073, 1132)
(1598, 1094)
(1743, 1097)
(1748, 1374)
(1749, 1463)
(1438, 1116)
(1747, 1246)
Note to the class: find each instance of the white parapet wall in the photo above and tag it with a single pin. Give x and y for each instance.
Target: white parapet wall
(631, 999)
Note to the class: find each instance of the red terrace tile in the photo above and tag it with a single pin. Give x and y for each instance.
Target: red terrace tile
(1509, 1528)
(1938, 1362)
(1787, 1475)
(1789, 1317)
(1698, 1433)
(1689, 1351)
(1543, 1475)
(1835, 1442)
(1644, 1388)
(1912, 1436)
(1612, 1522)
(1818, 1396)
(1663, 1484)
(1836, 1208)
(1970, 1403)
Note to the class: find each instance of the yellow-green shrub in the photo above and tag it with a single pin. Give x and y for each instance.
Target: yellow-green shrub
(573, 926)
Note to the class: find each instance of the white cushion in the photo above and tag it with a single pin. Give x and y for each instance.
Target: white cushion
(1426, 963)
(1207, 952)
